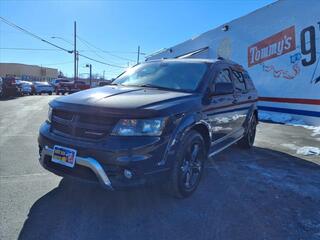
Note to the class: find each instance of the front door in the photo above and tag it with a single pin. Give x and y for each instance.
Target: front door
(220, 110)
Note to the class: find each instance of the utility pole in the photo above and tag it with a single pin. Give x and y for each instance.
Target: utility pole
(138, 57)
(77, 73)
(75, 51)
(90, 75)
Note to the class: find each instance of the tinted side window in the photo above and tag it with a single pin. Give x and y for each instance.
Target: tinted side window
(248, 80)
(239, 82)
(224, 76)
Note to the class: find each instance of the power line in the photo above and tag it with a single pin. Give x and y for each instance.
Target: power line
(90, 47)
(84, 42)
(32, 34)
(96, 52)
(31, 49)
(116, 56)
(108, 64)
(53, 49)
(52, 44)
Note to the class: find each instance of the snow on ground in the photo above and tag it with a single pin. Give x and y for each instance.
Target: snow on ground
(305, 150)
(279, 118)
(314, 129)
(287, 119)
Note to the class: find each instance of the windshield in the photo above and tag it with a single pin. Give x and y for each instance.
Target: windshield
(179, 76)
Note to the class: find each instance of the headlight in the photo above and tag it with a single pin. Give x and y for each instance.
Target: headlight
(49, 114)
(139, 127)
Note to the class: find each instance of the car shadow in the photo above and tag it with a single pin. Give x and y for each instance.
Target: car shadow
(255, 194)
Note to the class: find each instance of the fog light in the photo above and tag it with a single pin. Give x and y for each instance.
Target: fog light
(127, 173)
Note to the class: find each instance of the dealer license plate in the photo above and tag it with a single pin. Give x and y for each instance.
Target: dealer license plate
(64, 156)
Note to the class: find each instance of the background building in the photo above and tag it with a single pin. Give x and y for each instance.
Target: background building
(279, 46)
(28, 72)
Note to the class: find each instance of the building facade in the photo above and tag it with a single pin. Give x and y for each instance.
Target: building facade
(28, 72)
(279, 46)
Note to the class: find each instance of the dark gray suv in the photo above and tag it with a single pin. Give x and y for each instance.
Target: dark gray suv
(156, 123)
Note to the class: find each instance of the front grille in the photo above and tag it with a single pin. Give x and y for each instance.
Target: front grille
(81, 125)
(63, 114)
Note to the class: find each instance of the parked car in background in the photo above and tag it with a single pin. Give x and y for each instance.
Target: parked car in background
(104, 83)
(9, 87)
(43, 87)
(71, 87)
(157, 123)
(1, 81)
(56, 82)
(26, 87)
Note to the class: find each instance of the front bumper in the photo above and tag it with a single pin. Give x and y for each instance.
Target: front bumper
(88, 162)
(106, 161)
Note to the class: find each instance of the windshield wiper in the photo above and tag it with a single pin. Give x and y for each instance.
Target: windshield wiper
(157, 87)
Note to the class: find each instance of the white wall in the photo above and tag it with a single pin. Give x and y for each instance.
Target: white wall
(287, 73)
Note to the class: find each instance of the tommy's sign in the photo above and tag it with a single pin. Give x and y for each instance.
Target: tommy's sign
(273, 46)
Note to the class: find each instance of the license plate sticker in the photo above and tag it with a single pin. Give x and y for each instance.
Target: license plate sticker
(64, 156)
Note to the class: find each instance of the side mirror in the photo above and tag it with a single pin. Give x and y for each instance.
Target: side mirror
(223, 88)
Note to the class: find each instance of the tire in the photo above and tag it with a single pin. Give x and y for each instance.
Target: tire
(248, 139)
(50, 93)
(188, 167)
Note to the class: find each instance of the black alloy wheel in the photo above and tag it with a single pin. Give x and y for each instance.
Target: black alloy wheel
(188, 168)
(249, 137)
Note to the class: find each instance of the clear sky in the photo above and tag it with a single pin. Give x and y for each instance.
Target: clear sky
(117, 27)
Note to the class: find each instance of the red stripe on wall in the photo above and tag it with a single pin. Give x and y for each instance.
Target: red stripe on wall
(291, 100)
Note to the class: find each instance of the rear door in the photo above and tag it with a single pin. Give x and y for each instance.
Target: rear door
(242, 95)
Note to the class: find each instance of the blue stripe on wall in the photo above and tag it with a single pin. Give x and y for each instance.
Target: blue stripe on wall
(292, 111)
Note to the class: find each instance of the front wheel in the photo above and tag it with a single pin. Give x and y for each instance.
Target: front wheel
(248, 139)
(188, 167)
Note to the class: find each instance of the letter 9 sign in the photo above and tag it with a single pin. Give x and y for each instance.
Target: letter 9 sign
(308, 45)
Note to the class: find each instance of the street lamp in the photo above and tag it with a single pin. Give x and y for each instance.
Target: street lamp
(75, 53)
(90, 67)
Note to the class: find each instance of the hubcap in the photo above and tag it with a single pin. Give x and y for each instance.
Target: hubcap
(191, 167)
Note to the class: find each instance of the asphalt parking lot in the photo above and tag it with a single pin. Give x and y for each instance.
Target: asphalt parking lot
(269, 192)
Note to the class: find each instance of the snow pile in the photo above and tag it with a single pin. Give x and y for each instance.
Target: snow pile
(287, 119)
(305, 151)
(279, 118)
(315, 130)
(308, 151)
(290, 146)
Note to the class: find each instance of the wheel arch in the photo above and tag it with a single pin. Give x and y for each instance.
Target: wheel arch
(205, 133)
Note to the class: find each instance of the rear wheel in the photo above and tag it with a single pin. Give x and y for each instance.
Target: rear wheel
(248, 139)
(188, 167)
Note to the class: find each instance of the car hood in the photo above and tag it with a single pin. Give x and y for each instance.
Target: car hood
(128, 100)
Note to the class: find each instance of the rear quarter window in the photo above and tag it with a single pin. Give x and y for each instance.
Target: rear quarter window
(239, 82)
(248, 81)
